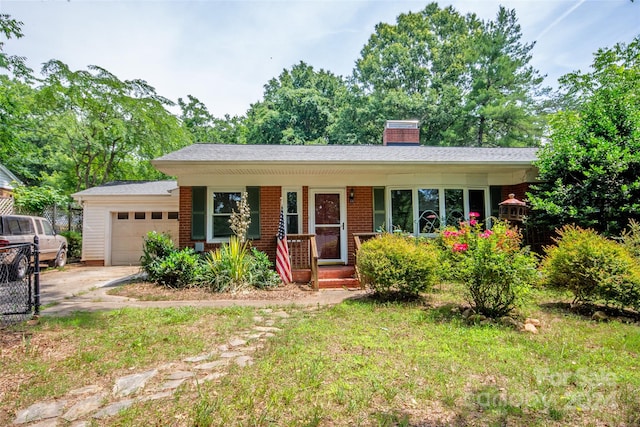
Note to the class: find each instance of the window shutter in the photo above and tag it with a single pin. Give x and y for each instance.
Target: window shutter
(198, 213)
(253, 198)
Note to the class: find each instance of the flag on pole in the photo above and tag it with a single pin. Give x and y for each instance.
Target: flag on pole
(283, 264)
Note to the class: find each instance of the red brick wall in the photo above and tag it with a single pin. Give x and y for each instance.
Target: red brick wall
(305, 210)
(390, 136)
(269, 217)
(184, 231)
(519, 190)
(359, 216)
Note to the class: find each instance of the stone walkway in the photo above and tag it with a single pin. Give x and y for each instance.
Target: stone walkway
(79, 406)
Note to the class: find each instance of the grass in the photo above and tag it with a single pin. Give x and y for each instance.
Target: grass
(358, 363)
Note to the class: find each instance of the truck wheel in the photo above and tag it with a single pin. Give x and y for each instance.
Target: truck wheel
(61, 258)
(20, 267)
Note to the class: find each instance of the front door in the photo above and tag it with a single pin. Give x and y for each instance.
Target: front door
(327, 220)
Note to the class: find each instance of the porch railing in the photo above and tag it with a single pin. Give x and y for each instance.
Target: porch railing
(359, 239)
(303, 253)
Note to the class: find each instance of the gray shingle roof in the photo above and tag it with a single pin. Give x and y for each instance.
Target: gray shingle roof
(364, 154)
(131, 188)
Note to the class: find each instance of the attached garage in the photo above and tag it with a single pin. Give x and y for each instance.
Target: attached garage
(118, 215)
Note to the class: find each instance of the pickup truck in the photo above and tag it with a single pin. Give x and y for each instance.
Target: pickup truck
(18, 230)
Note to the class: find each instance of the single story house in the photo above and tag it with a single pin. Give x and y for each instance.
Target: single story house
(117, 216)
(331, 192)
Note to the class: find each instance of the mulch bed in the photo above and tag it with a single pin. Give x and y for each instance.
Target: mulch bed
(146, 291)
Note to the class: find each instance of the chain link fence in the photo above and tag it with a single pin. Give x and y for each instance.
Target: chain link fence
(62, 217)
(19, 283)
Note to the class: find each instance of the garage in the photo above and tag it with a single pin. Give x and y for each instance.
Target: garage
(128, 230)
(118, 215)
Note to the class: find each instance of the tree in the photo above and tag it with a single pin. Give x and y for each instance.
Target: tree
(467, 81)
(204, 127)
(15, 64)
(103, 128)
(501, 107)
(17, 103)
(298, 108)
(590, 170)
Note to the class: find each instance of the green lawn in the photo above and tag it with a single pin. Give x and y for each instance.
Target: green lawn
(368, 363)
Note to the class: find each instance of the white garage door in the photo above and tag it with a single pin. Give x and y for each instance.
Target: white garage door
(128, 230)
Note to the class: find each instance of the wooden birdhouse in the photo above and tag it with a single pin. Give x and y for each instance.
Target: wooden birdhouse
(513, 209)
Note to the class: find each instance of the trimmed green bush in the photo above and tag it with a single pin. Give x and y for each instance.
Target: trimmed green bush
(179, 269)
(398, 264)
(592, 267)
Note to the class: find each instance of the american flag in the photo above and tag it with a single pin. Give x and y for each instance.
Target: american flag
(283, 264)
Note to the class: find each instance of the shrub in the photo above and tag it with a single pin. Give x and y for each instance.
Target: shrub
(227, 267)
(261, 273)
(156, 246)
(179, 269)
(394, 263)
(74, 241)
(631, 238)
(592, 267)
(497, 272)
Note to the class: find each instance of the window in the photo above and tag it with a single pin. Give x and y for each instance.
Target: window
(402, 210)
(224, 203)
(292, 201)
(172, 215)
(454, 206)
(48, 229)
(433, 208)
(123, 215)
(428, 210)
(379, 211)
(211, 210)
(139, 215)
(156, 215)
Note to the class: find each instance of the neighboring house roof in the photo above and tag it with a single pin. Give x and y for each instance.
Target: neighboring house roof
(347, 154)
(130, 188)
(7, 179)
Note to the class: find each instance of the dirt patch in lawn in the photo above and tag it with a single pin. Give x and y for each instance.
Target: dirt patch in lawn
(146, 291)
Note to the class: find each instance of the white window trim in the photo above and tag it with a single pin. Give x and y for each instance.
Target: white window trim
(441, 189)
(209, 221)
(298, 190)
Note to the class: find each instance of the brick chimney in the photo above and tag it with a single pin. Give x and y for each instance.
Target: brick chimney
(401, 132)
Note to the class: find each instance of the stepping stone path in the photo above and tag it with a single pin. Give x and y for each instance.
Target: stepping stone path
(79, 406)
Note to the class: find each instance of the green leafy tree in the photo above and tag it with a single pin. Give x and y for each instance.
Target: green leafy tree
(468, 81)
(502, 106)
(17, 103)
(298, 108)
(204, 127)
(104, 128)
(590, 170)
(11, 28)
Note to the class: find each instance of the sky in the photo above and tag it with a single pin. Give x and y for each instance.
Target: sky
(224, 52)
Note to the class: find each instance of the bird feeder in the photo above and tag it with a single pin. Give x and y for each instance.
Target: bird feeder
(513, 209)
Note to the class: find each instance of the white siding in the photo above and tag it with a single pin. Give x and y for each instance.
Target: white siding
(98, 211)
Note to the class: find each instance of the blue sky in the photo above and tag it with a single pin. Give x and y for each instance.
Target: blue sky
(223, 52)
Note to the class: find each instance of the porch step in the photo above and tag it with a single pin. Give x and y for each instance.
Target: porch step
(329, 276)
(336, 271)
(338, 283)
(337, 276)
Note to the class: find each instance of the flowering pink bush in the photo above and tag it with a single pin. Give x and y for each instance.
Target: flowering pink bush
(497, 271)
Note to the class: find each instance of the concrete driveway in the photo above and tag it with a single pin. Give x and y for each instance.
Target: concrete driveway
(74, 280)
(82, 288)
